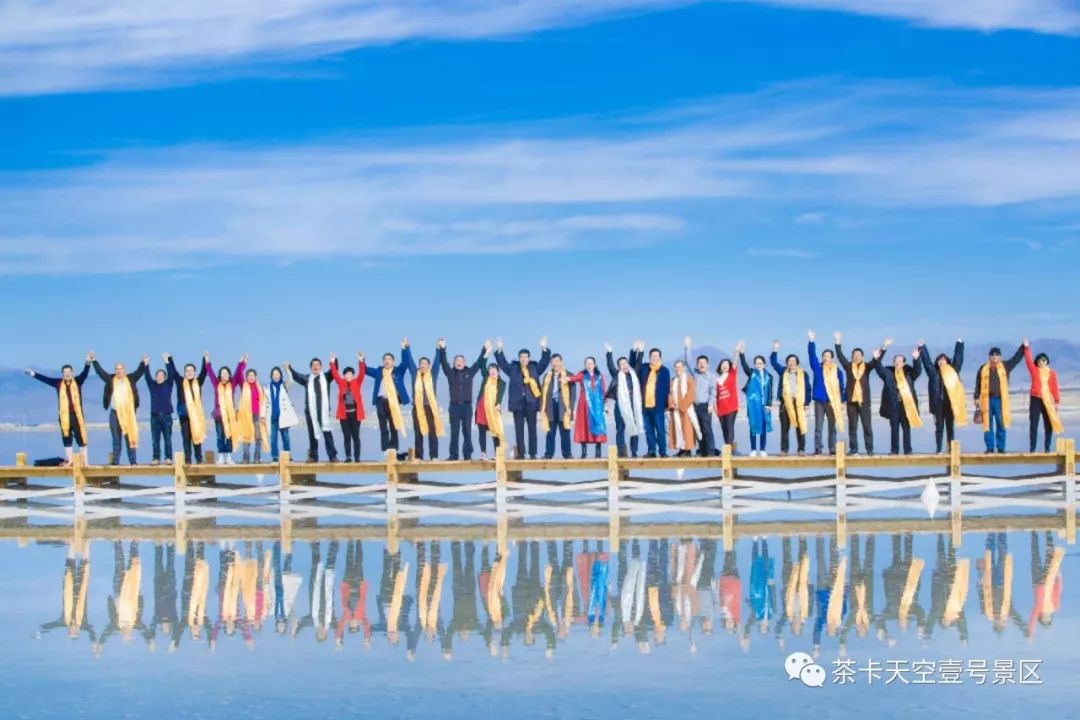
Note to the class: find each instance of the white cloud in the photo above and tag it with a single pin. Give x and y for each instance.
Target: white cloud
(856, 148)
(809, 218)
(76, 45)
(781, 252)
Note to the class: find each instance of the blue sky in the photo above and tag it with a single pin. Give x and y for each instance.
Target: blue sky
(291, 177)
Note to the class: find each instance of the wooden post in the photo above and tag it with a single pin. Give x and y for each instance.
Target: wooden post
(284, 477)
(180, 482)
(78, 535)
(502, 519)
(392, 525)
(209, 457)
(286, 534)
(614, 476)
(727, 497)
(78, 472)
(841, 495)
(1070, 490)
(955, 493)
(20, 459)
(181, 536)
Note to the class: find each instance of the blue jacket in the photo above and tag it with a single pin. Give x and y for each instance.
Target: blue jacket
(819, 377)
(521, 397)
(375, 373)
(160, 395)
(663, 379)
(774, 359)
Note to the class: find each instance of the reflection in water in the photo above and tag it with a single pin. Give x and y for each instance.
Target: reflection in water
(440, 594)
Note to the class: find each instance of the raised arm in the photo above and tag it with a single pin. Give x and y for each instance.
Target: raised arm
(958, 355)
(334, 374)
(925, 361)
(545, 360)
(440, 360)
(83, 374)
(916, 370)
(142, 369)
(170, 367)
(407, 363)
(745, 365)
(774, 360)
(879, 367)
(299, 377)
(610, 357)
(500, 358)
(811, 350)
(842, 358)
(481, 361)
(50, 381)
(238, 376)
(1032, 368)
(1017, 356)
(105, 377)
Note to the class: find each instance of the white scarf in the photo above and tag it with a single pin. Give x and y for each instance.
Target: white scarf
(676, 414)
(633, 592)
(321, 423)
(628, 396)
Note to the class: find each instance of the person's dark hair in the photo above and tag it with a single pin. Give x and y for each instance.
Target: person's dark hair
(858, 350)
(190, 365)
(250, 371)
(493, 365)
(1042, 356)
(940, 357)
(590, 357)
(66, 367)
(314, 360)
(830, 353)
(720, 365)
(556, 355)
(388, 355)
(422, 359)
(656, 350)
(792, 355)
(759, 357)
(995, 351)
(702, 357)
(348, 370)
(280, 371)
(524, 351)
(458, 356)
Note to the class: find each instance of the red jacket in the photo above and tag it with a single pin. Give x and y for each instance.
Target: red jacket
(727, 394)
(1036, 386)
(353, 387)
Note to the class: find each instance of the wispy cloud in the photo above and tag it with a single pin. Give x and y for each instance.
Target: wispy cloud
(76, 45)
(778, 252)
(809, 218)
(857, 148)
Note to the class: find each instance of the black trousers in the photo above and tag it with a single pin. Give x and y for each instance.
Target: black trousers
(191, 449)
(1037, 410)
(727, 427)
(786, 424)
(461, 415)
(898, 424)
(860, 413)
(388, 437)
(313, 441)
(824, 415)
(944, 424)
(523, 419)
(74, 433)
(556, 429)
(707, 443)
(350, 430)
(483, 431)
(432, 438)
(620, 436)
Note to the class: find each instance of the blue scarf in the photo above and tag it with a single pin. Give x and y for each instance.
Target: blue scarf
(592, 386)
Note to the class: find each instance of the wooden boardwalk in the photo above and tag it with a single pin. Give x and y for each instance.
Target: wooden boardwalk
(726, 491)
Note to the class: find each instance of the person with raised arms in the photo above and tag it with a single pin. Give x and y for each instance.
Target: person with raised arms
(945, 392)
(281, 413)
(625, 391)
(489, 409)
(859, 398)
(590, 418)
(69, 399)
(121, 399)
(189, 407)
(794, 395)
(899, 400)
(759, 393)
(251, 418)
(992, 397)
(684, 431)
(1045, 398)
(160, 385)
(225, 423)
(350, 404)
(704, 399)
(655, 381)
(556, 408)
(390, 395)
(727, 399)
(828, 395)
(316, 408)
(460, 379)
(427, 418)
(524, 392)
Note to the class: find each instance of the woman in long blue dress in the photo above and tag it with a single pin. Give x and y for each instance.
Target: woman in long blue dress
(759, 392)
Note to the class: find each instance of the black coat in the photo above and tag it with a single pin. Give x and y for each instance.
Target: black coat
(935, 389)
(890, 394)
(107, 378)
(613, 369)
(521, 397)
(460, 381)
(845, 363)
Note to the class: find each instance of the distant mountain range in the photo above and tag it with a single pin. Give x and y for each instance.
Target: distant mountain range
(24, 401)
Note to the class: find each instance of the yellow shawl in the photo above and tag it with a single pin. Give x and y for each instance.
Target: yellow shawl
(195, 413)
(984, 397)
(392, 398)
(650, 385)
(564, 391)
(75, 607)
(492, 411)
(224, 392)
(954, 391)
(123, 400)
(425, 388)
(527, 378)
(200, 584)
(127, 602)
(831, 374)
(1047, 400)
(907, 399)
(65, 410)
(907, 597)
(245, 418)
(858, 369)
(796, 405)
(954, 605)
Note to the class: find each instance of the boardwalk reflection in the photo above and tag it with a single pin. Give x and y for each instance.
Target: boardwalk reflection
(546, 595)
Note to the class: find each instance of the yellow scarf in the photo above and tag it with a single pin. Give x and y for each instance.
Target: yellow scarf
(492, 411)
(245, 418)
(200, 584)
(1048, 400)
(858, 369)
(65, 409)
(127, 602)
(392, 399)
(832, 389)
(950, 379)
(650, 385)
(224, 392)
(396, 597)
(75, 607)
(984, 398)
(425, 388)
(195, 413)
(564, 391)
(906, 398)
(958, 592)
(907, 597)
(527, 378)
(548, 607)
(123, 399)
(796, 405)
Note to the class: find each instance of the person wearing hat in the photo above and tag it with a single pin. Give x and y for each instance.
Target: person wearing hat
(992, 397)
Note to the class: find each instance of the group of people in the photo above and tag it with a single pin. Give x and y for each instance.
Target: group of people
(673, 408)
(644, 590)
